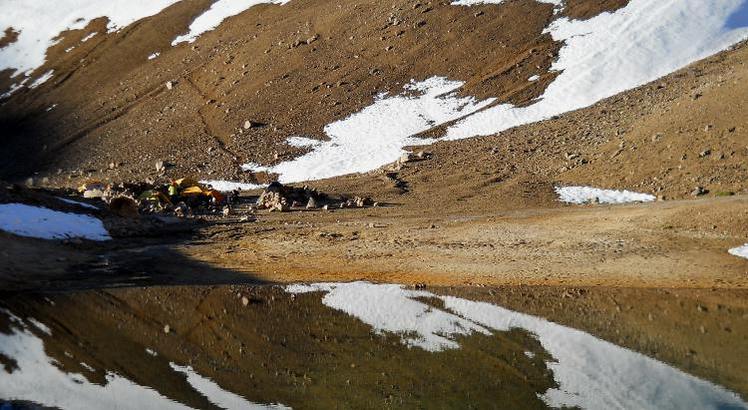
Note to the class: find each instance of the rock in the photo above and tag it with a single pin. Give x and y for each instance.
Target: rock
(93, 193)
(312, 203)
(29, 182)
(705, 153)
(167, 329)
(245, 301)
(124, 206)
(160, 166)
(699, 191)
(169, 85)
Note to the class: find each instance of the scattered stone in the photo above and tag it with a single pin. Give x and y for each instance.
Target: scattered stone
(160, 166)
(167, 329)
(699, 191)
(169, 85)
(705, 153)
(124, 206)
(311, 204)
(245, 301)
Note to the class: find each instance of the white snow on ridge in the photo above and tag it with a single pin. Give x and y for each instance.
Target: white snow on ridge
(615, 52)
(218, 396)
(740, 251)
(218, 12)
(591, 373)
(43, 223)
(376, 135)
(586, 195)
(40, 22)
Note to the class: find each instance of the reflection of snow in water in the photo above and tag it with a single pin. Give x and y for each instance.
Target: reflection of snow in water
(39, 380)
(36, 378)
(391, 308)
(218, 396)
(591, 373)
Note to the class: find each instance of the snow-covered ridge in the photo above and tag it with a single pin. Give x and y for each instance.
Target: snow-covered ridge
(44, 223)
(591, 373)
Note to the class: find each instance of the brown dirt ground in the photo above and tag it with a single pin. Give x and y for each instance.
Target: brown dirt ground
(483, 210)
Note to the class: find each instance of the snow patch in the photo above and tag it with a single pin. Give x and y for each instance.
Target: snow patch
(376, 135)
(38, 222)
(90, 36)
(216, 14)
(78, 203)
(39, 325)
(591, 373)
(218, 396)
(615, 52)
(533, 78)
(14, 87)
(557, 3)
(42, 79)
(40, 22)
(302, 142)
(740, 251)
(587, 195)
(228, 186)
